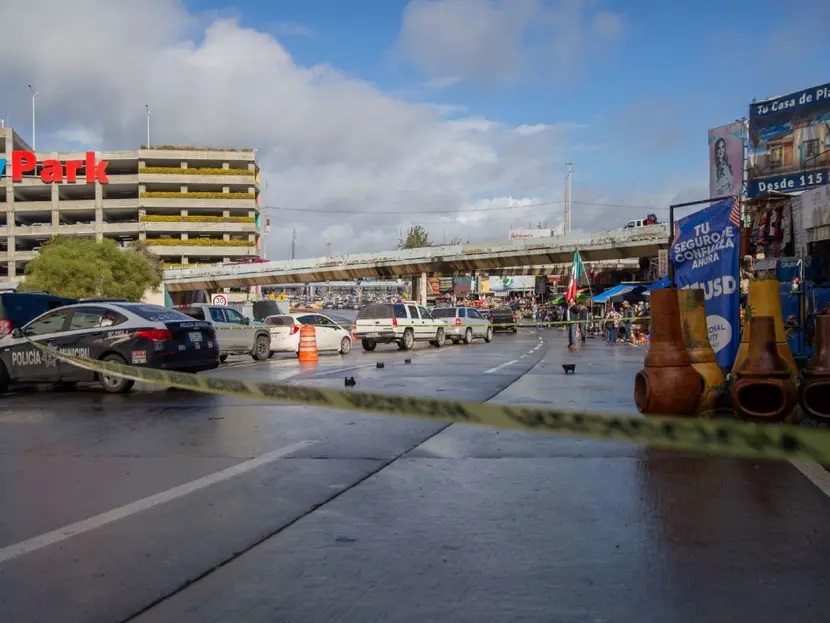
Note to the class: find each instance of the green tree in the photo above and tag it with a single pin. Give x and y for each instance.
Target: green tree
(416, 238)
(157, 263)
(455, 241)
(80, 268)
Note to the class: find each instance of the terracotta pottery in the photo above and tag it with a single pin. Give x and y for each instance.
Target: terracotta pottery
(764, 389)
(764, 299)
(692, 305)
(814, 392)
(667, 384)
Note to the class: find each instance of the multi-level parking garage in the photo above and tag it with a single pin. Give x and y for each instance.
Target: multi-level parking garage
(190, 205)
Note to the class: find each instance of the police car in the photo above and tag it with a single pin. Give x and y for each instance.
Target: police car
(128, 333)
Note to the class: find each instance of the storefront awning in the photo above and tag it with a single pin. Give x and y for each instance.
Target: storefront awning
(623, 288)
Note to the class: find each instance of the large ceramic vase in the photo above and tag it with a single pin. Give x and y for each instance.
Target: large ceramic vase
(814, 392)
(764, 299)
(764, 389)
(667, 384)
(692, 303)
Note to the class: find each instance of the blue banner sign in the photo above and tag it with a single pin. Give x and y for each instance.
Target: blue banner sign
(788, 268)
(705, 254)
(787, 183)
(815, 96)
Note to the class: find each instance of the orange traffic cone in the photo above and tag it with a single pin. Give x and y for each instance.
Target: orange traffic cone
(308, 344)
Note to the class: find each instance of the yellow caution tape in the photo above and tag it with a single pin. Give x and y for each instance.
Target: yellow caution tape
(766, 441)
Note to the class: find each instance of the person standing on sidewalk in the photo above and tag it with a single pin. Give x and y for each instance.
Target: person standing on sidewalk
(628, 315)
(583, 326)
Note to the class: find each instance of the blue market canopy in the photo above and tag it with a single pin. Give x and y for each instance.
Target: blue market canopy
(661, 284)
(623, 288)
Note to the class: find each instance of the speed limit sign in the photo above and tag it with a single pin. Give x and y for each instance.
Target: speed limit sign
(219, 299)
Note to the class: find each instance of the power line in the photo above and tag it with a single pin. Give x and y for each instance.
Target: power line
(455, 212)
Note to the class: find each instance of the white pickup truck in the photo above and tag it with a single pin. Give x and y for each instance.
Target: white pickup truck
(236, 334)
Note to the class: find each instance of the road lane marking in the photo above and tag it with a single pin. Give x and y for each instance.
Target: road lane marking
(814, 472)
(87, 525)
(499, 367)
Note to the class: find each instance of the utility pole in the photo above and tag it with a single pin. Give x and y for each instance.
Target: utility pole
(566, 229)
(293, 242)
(266, 230)
(147, 107)
(328, 249)
(34, 95)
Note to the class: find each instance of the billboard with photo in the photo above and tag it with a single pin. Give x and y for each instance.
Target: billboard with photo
(789, 142)
(726, 160)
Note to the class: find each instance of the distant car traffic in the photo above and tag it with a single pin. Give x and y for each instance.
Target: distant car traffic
(399, 323)
(464, 323)
(503, 319)
(285, 333)
(127, 333)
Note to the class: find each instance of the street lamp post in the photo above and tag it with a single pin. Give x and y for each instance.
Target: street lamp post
(34, 95)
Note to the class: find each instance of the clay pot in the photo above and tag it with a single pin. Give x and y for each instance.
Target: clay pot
(814, 392)
(667, 384)
(764, 299)
(764, 389)
(695, 329)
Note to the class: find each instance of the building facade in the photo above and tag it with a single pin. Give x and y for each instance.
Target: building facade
(190, 205)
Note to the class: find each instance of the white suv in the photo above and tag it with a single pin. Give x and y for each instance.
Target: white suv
(402, 323)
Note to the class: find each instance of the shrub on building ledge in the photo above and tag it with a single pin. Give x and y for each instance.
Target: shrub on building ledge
(194, 148)
(195, 171)
(163, 218)
(198, 195)
(198, 242)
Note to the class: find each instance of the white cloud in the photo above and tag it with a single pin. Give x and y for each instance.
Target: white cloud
(504, 40)
(329, 144)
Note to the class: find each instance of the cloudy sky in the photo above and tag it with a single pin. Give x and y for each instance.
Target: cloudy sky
(459, 115)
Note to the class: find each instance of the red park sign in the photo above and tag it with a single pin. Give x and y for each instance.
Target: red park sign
(57, 172)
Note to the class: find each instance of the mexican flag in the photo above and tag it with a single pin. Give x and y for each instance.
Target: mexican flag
(577, 273)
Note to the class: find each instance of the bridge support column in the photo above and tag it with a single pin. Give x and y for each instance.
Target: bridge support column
(419, 289)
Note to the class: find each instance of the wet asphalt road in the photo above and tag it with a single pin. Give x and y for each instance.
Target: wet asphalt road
(168, 506)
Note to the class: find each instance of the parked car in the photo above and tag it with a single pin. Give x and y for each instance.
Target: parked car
(128, 333)
(285, 333)
(18, 308)
(237, 334)
(401, 323)
(503, 319)
(464, 323)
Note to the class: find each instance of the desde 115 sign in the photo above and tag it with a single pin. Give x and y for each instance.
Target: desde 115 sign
(705, 254)
(789, 142)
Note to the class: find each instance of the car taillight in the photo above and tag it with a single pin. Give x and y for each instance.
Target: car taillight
(394, 322)
(6, 327)
(155, 335)
(458, 322)
(295, 328)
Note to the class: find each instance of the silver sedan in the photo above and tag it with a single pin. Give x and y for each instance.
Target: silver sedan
(464, 323)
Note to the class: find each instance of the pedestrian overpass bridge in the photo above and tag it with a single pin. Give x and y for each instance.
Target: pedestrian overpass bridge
(439, 260)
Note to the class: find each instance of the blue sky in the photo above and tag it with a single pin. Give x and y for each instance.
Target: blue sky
(676, 70)
(459, 115)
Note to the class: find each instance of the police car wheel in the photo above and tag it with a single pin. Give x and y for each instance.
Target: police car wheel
(115, 384)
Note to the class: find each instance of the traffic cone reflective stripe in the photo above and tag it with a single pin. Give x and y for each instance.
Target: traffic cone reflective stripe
(308, 344)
